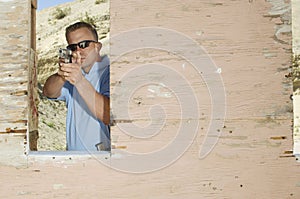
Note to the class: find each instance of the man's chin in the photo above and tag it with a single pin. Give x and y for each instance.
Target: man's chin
(86, 67)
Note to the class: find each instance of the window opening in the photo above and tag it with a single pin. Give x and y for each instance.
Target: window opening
(50, 27)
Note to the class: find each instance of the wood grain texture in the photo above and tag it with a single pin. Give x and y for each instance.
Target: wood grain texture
(18, 76)
(252, 157)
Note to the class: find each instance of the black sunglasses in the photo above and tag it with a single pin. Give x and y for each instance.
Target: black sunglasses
(83, 44)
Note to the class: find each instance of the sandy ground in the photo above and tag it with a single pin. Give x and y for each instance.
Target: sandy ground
(252, 157)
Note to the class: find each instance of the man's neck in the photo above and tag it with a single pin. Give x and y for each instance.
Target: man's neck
(88, 68)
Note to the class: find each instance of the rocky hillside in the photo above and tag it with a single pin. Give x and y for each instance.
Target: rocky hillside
(51, 23)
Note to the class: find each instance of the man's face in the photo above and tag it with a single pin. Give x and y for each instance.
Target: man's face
(89, 55)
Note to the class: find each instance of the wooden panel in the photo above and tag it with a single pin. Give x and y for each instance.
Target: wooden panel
(255, 141)
(296, 74)
(14, 63)
(12, 150)
(296, 26)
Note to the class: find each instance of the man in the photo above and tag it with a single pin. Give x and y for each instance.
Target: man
(84, 85)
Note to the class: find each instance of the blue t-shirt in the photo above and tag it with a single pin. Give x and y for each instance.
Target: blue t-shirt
(84, 130)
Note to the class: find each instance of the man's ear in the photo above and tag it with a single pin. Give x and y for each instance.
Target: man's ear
(98, 46)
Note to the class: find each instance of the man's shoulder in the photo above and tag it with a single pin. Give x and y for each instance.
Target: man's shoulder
(103, 67)
(105, 60)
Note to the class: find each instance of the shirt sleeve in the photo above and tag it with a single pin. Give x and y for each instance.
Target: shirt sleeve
(65, 90)
(104, 82)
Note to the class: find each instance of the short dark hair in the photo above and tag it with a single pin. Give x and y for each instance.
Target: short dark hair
(81, 24)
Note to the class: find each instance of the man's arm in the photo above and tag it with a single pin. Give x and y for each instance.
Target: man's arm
(97, 103)
(53, 85)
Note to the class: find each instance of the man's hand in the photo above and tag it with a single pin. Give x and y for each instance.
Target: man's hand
(71, 71)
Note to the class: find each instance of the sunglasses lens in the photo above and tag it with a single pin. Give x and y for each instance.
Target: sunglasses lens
(72, 47)
(83, 44)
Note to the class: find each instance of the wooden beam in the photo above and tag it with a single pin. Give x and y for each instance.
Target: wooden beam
(34, 3)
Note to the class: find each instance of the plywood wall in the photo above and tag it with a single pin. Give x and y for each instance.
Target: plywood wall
(296, 74)
(253, 155)
(249, 156)
(17, 77)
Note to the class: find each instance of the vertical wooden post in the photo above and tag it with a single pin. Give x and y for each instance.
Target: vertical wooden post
(32, 82)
